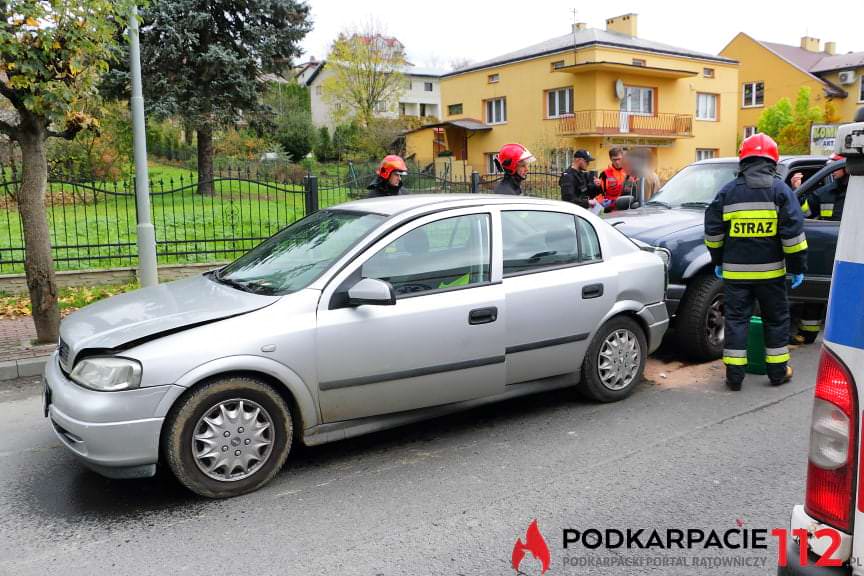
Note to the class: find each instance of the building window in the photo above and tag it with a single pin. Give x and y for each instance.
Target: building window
(749, 131)
(496, 111)
(402, 109)
(454, 109)
(491, 167)
(560, 159)
(705, 153)
(708, 72)
(754, 94)
(410, 85)
(492, 78)
(319, 90)
(706, 107)
(557, 64)
(639, 62)
(381, 107)
(422, 110)
(639, 101)
(559, 102)
(427, 86)
(861, 89)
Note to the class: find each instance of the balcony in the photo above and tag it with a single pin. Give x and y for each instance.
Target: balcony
(616, 122)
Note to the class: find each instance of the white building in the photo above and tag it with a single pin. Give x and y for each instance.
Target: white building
(421, 98)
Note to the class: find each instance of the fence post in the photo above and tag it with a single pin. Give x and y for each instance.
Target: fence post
(310, 185)
(475, 182)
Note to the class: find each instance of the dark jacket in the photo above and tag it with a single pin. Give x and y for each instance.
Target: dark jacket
(756, 233)
(577, 186)
(381, 187)
(826, 202)
(509, 184)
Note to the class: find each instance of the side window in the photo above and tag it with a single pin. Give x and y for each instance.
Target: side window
(448, 253)
(589, 244)
(534, 240)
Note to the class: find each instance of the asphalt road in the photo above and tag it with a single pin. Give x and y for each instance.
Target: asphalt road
(449, 496)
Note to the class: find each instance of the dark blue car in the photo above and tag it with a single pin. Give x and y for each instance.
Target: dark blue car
(674, 219)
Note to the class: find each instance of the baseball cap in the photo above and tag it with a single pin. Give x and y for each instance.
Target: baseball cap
(584, 154)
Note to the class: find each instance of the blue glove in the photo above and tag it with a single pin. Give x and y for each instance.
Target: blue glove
(606, 203)
(797, 280)
(718, 272)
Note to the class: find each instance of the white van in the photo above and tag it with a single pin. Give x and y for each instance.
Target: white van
(822, 538)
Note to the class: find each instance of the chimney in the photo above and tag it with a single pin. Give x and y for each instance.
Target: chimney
(810, 44)
(578, 26)
(625, 24)
(830, 48)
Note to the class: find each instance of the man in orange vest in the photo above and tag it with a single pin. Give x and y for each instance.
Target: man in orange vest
(612, 179)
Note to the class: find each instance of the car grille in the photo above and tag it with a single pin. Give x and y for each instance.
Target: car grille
(63, 352)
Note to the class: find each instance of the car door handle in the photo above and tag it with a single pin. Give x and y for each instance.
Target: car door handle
(483, 315)
(592, 291)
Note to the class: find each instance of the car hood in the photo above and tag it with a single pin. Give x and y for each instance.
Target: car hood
(142, 314)
(652, 224)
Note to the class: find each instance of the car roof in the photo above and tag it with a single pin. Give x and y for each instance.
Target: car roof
(392, 205)
(783, 159)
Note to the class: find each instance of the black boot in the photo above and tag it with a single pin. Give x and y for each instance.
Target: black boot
(786, 377)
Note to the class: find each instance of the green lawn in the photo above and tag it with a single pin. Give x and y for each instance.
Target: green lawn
(189, 227)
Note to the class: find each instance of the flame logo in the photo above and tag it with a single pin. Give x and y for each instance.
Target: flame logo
(535, 544)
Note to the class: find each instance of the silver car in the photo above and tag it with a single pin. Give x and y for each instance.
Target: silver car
(361, 317)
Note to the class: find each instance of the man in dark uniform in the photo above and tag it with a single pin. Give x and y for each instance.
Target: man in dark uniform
(388, 177)
(754, 230)
(577, 184)
(513, 160)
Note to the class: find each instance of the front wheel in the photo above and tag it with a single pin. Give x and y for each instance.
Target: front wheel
(700, 322)
(615, 360)
(228, 437)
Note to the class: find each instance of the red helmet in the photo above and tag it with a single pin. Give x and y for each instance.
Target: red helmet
(759, 146)
(835, 157)
(391, 163)
(511, 154)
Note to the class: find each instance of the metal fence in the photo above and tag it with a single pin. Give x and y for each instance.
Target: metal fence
(93, 223)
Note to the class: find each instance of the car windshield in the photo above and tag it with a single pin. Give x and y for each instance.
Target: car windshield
(299, 254)
(695, 186)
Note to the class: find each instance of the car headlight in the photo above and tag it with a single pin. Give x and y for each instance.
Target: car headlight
(107, 373)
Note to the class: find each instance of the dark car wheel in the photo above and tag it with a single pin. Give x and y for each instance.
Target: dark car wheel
(700, 321)
(228, 437)
(615, 360)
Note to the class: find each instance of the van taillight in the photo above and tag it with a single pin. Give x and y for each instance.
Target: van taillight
(831, 467)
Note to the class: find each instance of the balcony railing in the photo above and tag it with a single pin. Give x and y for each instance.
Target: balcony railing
(609, 122)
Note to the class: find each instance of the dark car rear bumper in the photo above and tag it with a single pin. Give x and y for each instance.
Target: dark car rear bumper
(794, 568)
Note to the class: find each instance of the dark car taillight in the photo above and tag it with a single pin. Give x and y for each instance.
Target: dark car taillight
(832, 462)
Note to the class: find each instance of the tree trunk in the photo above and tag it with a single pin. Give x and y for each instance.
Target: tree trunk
(205, 160)
(38, 262)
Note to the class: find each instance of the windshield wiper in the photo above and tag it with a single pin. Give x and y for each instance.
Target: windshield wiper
(658, 202)
(695, 204)
(230, 282)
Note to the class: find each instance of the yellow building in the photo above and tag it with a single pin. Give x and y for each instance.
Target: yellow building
(592, 89)
(769, 72)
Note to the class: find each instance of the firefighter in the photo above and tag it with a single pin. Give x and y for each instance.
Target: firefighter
(388, 177)
(826, 202)
(754, 230)
(513, 160)
(577, 184)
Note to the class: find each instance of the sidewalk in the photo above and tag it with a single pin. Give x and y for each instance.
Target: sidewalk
(18, 355)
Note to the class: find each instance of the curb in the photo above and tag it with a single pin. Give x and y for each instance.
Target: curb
(23, 367)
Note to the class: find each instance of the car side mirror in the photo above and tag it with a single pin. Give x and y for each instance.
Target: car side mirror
(373, 292)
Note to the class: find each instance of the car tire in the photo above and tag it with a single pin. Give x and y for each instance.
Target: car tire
(700, 321)
(607, 377)
(255, 431)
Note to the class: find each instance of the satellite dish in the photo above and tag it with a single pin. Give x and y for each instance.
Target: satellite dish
(619, 89)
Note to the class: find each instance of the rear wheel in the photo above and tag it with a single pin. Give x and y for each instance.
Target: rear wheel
(228, 437)
(700, 322)
(615, 361)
